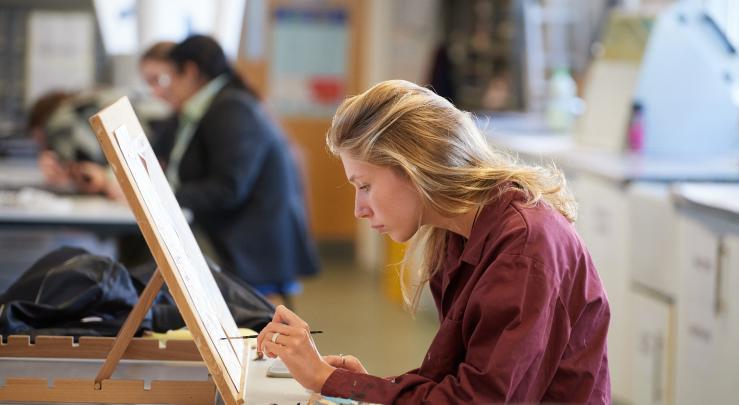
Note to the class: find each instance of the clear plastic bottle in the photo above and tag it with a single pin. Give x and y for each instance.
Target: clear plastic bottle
(562, 98)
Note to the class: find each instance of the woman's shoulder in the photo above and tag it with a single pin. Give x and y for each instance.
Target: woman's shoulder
(232, 94)
(537, 231)
(236, 104)
(535, 237)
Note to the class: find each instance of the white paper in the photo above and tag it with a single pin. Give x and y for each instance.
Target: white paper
(172, 228)
(192, 251)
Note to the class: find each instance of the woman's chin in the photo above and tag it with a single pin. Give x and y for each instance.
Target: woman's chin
(399, 238)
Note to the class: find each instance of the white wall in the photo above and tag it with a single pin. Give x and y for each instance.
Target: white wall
(401, 36)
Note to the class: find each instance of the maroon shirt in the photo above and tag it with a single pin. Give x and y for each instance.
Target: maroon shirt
(524, 318)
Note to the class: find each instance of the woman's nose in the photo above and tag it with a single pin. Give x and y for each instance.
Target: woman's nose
(361, 211)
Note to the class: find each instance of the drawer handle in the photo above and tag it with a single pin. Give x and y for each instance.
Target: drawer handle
(719, 304)
(657, 370)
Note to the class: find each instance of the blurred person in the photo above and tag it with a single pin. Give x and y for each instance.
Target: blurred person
(156, 68)
(523, 313)
(441, 74)
(92, 176)
(54, 172)
(232, 167)
(71, 158)
(70, 154)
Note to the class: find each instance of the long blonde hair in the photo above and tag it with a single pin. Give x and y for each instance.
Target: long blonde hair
(401, 125)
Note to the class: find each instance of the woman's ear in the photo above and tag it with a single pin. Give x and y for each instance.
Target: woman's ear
(191, 71)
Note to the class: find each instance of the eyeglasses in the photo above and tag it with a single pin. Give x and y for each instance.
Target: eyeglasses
(162, 80)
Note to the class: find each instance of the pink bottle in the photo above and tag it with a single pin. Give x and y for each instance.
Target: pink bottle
(636, 129)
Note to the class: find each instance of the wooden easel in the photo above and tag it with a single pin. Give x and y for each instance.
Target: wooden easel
(180, 264)
(103, 389)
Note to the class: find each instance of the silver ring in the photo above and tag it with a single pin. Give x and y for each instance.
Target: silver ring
(342, 360)
(275, 336)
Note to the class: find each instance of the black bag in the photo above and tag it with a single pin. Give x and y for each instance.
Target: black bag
(72, 292)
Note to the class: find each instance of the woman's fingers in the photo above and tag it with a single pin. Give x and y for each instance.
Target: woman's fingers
(295, 347)
(285, 331)
(90, 177)
(283, 318)
(53, 171)
(345, 361)
(286, 316)
(352, 363)
(285, 345)
(270, 329)
(334, 360)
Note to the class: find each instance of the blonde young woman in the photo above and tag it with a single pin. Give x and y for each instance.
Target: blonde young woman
(524, 316)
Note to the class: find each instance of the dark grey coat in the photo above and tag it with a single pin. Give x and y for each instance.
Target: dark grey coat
(240, 181)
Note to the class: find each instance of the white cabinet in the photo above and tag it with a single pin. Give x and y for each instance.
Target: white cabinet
(729, 367)
(653, 341)
(653, 273)
(708, 310)
(603, 224)
(653, 237)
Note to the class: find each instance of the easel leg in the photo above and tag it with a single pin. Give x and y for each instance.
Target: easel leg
(130, 327)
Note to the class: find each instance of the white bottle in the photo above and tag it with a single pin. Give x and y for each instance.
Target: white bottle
(561, 100)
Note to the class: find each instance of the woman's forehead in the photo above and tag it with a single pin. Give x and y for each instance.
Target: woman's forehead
(357, 168)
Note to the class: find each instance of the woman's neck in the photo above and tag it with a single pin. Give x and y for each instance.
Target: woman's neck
(461, 224)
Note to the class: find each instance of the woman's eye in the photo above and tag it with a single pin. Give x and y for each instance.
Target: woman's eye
(364, 187)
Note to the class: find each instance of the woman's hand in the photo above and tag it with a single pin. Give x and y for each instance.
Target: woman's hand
(295, 347)
(346, 362)
(89, 177)
(55, 174)
(92, 178)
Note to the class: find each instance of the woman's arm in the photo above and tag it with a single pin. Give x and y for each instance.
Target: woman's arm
(514, 332)
(511, 338)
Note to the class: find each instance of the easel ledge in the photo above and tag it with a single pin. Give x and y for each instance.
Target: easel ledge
(112, 391)
(97, 348)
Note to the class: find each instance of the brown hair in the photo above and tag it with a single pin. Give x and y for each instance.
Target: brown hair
(441, 150)
(158, 52)
(44, 107)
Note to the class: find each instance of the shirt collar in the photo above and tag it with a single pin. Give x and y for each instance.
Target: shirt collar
(198, 104)
(471, 251)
